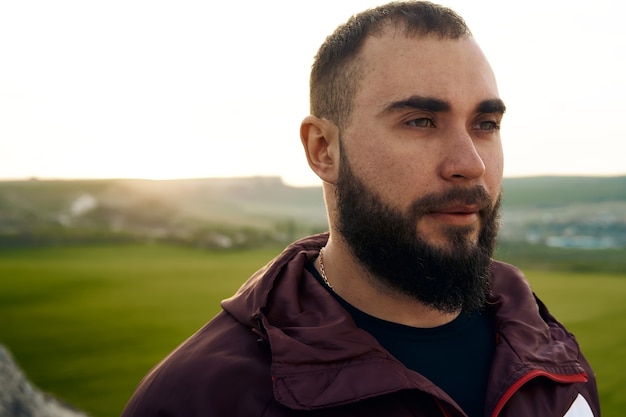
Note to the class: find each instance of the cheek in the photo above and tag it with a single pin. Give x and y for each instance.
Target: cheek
(398, 174)
(494, 168)
(376, 168)
(368, 154)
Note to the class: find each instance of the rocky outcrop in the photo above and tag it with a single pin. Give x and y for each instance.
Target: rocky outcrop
(19, 398)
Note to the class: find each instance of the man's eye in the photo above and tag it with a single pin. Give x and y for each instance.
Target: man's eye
(489, 125)
(421, 122)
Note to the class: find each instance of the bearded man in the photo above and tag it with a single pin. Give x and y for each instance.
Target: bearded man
(399, 310)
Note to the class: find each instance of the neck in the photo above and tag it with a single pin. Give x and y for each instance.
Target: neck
(353, 282)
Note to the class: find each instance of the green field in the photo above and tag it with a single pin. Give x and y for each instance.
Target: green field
(86, 323)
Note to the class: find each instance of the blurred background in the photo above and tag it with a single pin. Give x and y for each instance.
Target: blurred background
(161, 90)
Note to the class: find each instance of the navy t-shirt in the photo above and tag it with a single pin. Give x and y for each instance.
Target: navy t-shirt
(456, 356)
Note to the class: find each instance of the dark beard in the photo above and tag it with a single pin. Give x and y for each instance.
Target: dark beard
(386, 242)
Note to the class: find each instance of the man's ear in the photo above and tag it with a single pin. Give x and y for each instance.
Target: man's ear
(320, 138)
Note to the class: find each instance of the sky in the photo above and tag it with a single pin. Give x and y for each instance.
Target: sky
(165, 89)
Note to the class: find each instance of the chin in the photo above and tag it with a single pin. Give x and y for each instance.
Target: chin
(451, 238)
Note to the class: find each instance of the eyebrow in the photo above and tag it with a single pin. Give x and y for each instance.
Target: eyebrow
(434, 104)
(418, 103)
(494, 105)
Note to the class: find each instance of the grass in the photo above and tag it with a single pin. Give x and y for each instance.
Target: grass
(592, 307)
(86, 323)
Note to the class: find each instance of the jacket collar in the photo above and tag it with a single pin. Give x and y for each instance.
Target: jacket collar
(317, 351)
(530, 340)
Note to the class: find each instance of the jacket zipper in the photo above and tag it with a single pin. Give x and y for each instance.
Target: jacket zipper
(581, 377)
(441, 407)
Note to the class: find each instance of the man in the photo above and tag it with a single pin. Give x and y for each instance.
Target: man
(399, 310)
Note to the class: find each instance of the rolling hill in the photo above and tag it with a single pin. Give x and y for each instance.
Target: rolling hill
(246, 211)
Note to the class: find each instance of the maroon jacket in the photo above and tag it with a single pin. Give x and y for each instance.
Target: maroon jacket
(283, 346)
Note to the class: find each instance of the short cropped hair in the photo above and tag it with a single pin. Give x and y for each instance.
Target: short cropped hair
(336, 74)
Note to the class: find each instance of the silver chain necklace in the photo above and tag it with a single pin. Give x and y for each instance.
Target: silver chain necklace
(323, 272)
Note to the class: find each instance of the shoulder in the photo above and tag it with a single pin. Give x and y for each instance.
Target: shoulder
(512, 291)
(502, 270)
(223, 369)
(509, 284)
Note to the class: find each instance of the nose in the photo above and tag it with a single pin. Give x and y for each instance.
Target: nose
(461, 159)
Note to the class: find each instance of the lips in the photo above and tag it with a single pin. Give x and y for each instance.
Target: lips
(459, 210)
(458, 215)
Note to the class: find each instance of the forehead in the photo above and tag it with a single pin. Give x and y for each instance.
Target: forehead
(396, 66)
